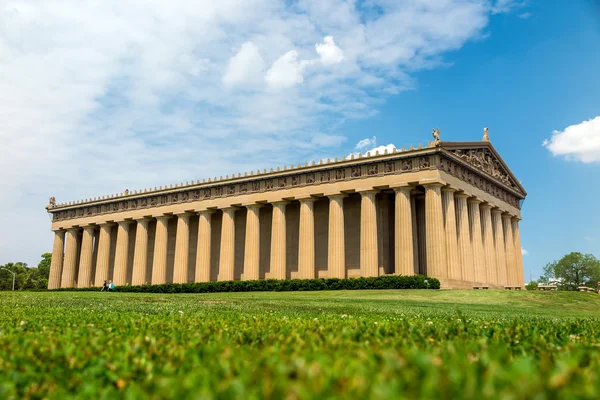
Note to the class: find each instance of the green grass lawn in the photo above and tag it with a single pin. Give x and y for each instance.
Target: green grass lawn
(293, 345)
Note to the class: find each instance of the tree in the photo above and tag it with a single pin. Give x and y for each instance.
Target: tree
(572, 271)
(26, 277)
(533, 285)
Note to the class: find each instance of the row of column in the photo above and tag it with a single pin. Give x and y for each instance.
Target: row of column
(470, 240)
(460, 238)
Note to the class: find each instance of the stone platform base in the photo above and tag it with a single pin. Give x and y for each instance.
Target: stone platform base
(447, 283)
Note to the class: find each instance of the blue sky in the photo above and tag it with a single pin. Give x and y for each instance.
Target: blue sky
(116, 95)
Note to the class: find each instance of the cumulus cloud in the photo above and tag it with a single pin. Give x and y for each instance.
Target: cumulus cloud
(580, 142)
(379, 149)
(110, 95)
(366, 142)
(524, 252)
(329, 52)
(286, 71)
(246, 67)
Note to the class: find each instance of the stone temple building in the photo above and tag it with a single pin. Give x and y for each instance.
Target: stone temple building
(449, 210)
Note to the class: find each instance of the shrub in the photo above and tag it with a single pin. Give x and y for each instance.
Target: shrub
(291, 285)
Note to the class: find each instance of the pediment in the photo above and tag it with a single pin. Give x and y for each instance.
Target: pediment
(483, 157)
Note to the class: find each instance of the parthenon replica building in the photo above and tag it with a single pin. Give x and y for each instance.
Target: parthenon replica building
(448, 210)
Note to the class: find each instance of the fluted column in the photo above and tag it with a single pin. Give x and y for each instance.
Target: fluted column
(454, 270)
(421, 234)
(336, 258)
(368, 234)
(84, 279)
(500, 247)
(159, 261)
(404, 257)
(70, 263)
(56, 264)
(140, 253)
(510, 249)
(306, 239)
(226, 258)
(477, 240)
(465, 251)
(520, 278)
(182, 249)
(204, 243)
(415, 231)
(434, 232)
(121, 254)
(103, 260)
(488, 244)
(278, 242)
(252, 245)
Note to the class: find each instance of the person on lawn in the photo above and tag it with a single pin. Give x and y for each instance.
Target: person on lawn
(111, 286)
(104, 287)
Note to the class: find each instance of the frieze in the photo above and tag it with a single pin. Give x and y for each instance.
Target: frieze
(398, 166)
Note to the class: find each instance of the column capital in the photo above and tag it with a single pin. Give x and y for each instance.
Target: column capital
(252, 205)
(474, 200)
(106, 224)
(496, 210)
(449, 189)
(432, 183)
(142, 219)
(336, 195)
(367, 191)
(486, 206)
(73, 229)
(229, 208)
(406, 188)
(125, 222)
(461, 195)
(280, 202)
(207, 212)
(59, 230)
(507, 215)
(306, 199)
(89, 227)
(517, 218)
(183, 214)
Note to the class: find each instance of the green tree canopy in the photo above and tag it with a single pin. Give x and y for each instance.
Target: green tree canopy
(572, 271)
(26, 277)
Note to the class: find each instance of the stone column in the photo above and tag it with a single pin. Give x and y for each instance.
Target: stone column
(252, 245)
(121, 254)
(226, 258)
(278, 242)
(56, 265)
(520, 279)
(510, 249)
(182, 249)
(70, 264)
(477, 240)
(500, 247)
(415, 231)
(404, 257)
(306, 238)
(159, 262)
(421, 233)
(336, 257)
(140, 253)
(84, 278)
(488, 244)
(434, 231)
(103, 261)
(454, 269)
(368, 234)
(465, 251)
(204, 242)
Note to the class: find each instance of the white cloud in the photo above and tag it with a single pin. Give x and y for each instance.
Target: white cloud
(506, 6)
(329, 52)
(366, 142)
(580, 142)
(245, 67)
(286, 71)
(371, 152)
(525, 15)
(524, 252)
(110, 95)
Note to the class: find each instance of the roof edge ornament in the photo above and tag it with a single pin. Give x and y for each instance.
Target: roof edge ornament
(436, 138)
(486, 137)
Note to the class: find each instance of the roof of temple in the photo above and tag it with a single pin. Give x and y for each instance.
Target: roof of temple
(479, 156)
